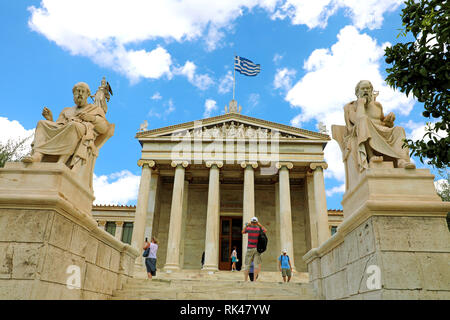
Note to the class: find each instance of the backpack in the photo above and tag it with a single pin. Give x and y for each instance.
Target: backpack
(262, 242)
(281, 259)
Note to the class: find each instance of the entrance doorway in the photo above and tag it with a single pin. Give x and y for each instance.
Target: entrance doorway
(230, 236)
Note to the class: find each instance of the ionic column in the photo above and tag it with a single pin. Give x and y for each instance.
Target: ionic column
(286, 237)
(320, 200)
(137, 239)
(311, 220)
(119, 229)
(249, 199)
(176, 216)
(152, 207)
(102, 224)
(213, 218)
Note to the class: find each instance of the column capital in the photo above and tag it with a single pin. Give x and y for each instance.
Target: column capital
(119, 223)
(313, 166)
(183, 163)
(210, 163)
(288, 165)
(102, 223)
(143, 162)
(245, 164)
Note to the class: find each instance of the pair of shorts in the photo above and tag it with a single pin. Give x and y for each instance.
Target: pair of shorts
(286, 272)
(252, 255)
(233, 259)
(150, 264)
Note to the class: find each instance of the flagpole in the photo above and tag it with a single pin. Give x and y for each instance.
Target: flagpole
(234, 74)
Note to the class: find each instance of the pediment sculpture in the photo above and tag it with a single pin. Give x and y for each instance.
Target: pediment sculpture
(231, 130)
(75, 138)
(369, 137)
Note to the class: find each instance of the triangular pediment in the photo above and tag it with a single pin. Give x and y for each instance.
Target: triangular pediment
(232, 125)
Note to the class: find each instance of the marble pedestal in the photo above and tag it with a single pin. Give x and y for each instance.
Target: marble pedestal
(48, 238)
(394, 242)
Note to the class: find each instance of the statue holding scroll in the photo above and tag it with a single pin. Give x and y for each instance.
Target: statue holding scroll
(76, 136)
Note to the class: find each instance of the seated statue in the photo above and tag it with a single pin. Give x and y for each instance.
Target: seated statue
(369, 135)
(75, 137)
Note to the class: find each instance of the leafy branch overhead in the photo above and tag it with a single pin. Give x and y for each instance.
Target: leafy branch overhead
(421, 67)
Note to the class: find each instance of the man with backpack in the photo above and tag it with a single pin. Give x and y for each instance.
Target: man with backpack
(253, 229)
(284, 265)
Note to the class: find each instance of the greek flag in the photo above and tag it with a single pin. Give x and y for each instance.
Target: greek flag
(246, 67)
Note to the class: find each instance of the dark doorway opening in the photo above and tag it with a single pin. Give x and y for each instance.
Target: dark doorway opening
(230, 236)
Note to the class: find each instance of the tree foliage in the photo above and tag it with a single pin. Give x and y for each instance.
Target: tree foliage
(12, 150)
(421, 67)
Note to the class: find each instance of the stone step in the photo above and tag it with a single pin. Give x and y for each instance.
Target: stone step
(219, 283)
(269, 276)
(163, 295)
(212, 290)
(197, 285)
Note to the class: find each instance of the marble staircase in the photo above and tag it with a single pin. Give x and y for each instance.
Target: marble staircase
(222, 285)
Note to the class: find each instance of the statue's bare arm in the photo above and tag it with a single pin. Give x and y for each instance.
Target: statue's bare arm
(389, 119)
(349, 116)
(47, 114)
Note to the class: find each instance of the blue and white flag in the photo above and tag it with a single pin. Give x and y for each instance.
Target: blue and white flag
(246, 67)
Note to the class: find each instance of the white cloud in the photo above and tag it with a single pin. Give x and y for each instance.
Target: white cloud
(364, 14)
(168, 109)
(418, 130)
(441, 184)
(156, 96)
(102, 29)
(283, 78)
(226, 83)
(116, 188)
(253, 99)
(202, 81)
(335, 190)
(12, 130)
(210, 106)
(277, 58)
(329, 83)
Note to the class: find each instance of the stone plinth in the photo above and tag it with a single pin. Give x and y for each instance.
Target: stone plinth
(394, 231)
(48, 238)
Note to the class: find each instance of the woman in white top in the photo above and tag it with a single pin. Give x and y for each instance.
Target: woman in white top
(150, 260)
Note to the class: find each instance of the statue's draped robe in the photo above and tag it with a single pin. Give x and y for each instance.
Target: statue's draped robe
(369, 128)
(70, 135)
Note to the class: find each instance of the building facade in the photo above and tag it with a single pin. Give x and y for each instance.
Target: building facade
(119, 222)
(203, 180)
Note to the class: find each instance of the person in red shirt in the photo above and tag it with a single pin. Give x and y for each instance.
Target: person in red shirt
(252, 229)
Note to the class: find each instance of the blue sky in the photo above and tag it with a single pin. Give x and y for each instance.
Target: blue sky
(171, 61)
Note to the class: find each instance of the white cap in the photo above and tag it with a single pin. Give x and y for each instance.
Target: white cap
(284, 251)
(254, 219)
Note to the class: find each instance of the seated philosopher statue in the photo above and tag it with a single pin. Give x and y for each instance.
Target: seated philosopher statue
(75, 137)
(369, 136)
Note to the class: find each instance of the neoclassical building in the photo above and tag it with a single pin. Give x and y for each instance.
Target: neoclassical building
(202, 180)
(118, 220)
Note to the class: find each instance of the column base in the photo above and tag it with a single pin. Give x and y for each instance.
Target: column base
(168, 268)
(210, 269)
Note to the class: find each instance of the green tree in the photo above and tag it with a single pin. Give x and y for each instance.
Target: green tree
(12, 150)
(421, 67)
